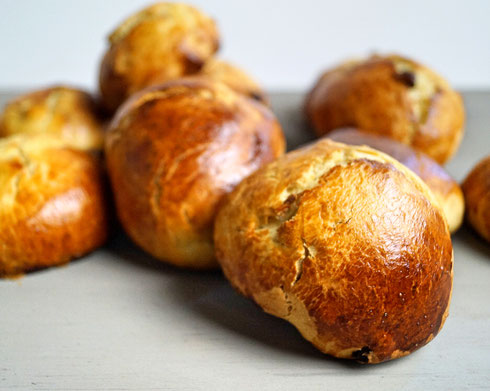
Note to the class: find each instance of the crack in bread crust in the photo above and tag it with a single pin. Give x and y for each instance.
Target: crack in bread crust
(346, 244)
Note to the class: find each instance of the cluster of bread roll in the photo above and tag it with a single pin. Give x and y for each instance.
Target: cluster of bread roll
(350, 245)
(162, 42)
(408, 111)
(190, 129)
(172, 151)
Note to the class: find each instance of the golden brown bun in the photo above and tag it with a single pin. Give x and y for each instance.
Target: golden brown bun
(233, 77)
(51, 203)
(445, 188)
(173, 151)
(476, 188)
(346, 244)
(390, 96)
(161, 42)
(63, 111)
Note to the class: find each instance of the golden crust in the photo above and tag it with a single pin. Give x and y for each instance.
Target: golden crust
(233, 77)
(476, 188)
(52, 205)
(161, 42)
(345, 243)
(63, 111)
(390, 96)
(173, 151)
(445, 188)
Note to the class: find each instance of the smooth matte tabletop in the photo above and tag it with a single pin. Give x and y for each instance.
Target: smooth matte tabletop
(118, 320)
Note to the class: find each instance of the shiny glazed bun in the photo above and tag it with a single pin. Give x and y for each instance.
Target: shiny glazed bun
(62, 111)
(390, 96)
(445, 188)
(161, 42)
(51, 203)
(346, 244)
(173, 151)
(476, 188)
(233, 77)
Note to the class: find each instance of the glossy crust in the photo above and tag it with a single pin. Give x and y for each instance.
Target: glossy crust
(346, 244)
(52, 205)
(390, 96)
(476, 188)
(445, 188)
(67, 112)
(233, 77)
(161, 42)
(173, 151)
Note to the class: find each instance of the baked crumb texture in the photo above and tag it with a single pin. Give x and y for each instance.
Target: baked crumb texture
(445, 188)
(346, 244)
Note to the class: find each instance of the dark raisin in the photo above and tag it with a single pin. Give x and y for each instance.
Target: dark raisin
(361, 355)
(257, 96)
(407, 78)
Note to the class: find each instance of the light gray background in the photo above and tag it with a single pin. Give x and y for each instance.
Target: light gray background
(283, 43)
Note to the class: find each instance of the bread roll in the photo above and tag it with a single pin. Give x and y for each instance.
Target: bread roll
(51, 203)
(161, 42)
(63, 111)
(346, 244)
(476, 188)
(445, 188)
(390, 96)
(233, 77)
(173, 151)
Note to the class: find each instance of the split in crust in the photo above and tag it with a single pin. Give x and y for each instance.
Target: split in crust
(345, 243)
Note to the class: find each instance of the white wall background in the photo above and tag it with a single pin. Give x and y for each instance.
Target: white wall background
(284, 44)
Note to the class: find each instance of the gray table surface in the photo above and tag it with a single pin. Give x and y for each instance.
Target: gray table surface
(118, 320)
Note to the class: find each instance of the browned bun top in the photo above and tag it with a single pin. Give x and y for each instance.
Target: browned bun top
(66, 112)
(345, 243)
(161, 42)
(51, 203)
(476, 188)
(445, 188)
(233, 77)
(391, 96)
(173, 151)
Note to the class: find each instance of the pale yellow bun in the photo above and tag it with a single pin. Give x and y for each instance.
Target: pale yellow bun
(161, 42)
(234, 77)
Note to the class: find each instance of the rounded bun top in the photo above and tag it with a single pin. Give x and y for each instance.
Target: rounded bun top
(66, 112)
(52, 203)
(444, 187)
(16, 151)
(173, 151)
(345, 243)
(161, 42)
(233, 77)
(392, 96)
